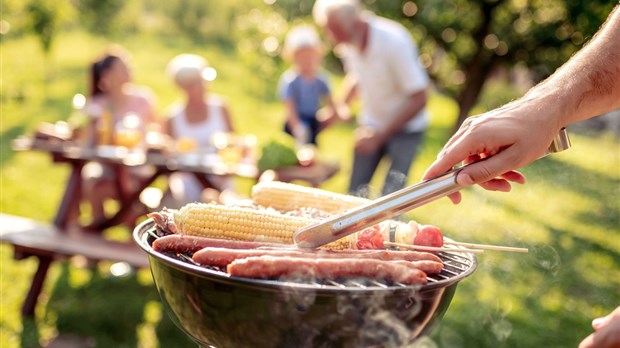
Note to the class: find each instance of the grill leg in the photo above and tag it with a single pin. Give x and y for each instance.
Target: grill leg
(36, 286)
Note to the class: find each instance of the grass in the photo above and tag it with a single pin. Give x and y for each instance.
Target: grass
(568, 215)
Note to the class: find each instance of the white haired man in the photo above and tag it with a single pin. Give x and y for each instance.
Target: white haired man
(381, 63)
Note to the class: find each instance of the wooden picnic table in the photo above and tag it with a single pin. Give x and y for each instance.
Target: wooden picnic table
(120, 160)
(50, 242)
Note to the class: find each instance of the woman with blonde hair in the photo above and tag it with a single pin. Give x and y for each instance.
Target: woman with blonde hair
(196, 120)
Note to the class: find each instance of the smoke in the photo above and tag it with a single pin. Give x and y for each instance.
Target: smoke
(394, 181)
(381, 322)
(499, 325)
(354, 318)
(364, 191)
(548, 258)
(501, 329)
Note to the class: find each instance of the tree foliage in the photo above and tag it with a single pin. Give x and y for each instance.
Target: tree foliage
(462, 42)
(43, 21)
(99, 15)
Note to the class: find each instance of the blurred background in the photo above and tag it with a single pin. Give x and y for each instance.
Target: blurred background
(479, 53)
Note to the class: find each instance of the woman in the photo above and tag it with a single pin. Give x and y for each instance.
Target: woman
(196, 121)
(113, 100)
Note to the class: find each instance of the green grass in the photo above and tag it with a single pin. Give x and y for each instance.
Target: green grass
(568, 215)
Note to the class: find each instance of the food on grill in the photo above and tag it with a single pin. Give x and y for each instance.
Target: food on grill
(278, 213)
(221, 257)
(289, 197)
(429, 235)
(244, 223)
(371, 238)
(274, 267)
(179, 243)
(232, 222)
(256, 240)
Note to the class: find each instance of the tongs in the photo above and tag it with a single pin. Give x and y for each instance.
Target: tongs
(394, 204)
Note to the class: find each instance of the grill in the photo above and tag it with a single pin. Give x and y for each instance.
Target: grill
(217, 310)
(454, 265)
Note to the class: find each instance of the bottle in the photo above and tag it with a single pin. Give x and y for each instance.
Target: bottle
(104, 128)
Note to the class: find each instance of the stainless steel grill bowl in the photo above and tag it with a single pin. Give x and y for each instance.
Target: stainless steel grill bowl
(217, 310)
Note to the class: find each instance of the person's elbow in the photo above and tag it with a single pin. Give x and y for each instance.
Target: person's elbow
(418, 99)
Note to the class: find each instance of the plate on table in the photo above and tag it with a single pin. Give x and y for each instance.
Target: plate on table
(109, 151)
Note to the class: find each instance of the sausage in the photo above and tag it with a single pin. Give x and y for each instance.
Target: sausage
(221, 257)
(406, 255)
(276, 267)
(179, 243)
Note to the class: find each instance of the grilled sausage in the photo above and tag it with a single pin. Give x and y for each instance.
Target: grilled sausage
(275, 267)
(406, 255)
(221, 257)
(178, 243)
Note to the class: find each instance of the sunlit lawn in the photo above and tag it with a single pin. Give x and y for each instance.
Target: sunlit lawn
(567, 215)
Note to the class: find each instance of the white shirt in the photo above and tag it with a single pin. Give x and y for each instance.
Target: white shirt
(201, 132)
(387, 73)
(185, 187)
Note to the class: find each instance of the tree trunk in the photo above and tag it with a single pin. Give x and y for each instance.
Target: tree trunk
(476, 77)
(479, 66)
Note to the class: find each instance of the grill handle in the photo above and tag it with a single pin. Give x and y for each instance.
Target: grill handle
(393, 204)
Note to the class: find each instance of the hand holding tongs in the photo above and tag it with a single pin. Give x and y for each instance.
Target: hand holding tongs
(393, 204)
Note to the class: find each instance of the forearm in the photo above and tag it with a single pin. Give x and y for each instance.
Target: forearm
(411, 109)
(589, 83)
(350, 89)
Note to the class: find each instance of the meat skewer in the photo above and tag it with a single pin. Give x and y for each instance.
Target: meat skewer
(488, 247)
(425, 248)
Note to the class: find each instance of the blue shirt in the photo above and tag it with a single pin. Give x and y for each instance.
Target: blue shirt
(305, 93)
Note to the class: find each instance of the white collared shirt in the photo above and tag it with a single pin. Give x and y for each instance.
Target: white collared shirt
(387, 73)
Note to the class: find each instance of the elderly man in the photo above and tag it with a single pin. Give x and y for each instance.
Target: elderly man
(381, 62)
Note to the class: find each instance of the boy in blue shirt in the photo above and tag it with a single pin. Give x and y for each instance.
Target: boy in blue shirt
(303, 87)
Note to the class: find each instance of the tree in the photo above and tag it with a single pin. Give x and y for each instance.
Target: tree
(98, 15)
(462, 42)
(43, 21)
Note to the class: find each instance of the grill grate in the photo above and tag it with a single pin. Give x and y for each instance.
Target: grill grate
(455, 265)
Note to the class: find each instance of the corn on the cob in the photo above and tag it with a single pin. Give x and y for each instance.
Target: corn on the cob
(287, 197)
(238, 223)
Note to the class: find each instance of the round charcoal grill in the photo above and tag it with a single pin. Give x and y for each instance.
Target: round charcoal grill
(217, 310)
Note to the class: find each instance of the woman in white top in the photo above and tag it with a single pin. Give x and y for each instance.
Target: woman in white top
(201, 116)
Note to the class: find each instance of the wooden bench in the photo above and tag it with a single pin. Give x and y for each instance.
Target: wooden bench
(47, 243)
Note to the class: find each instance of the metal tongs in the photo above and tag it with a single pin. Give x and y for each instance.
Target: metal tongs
(393, 204)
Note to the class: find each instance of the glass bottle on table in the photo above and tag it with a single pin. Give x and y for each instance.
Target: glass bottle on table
(104, 128)
(128, 132)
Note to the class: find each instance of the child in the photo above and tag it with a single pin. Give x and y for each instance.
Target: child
(303, 86)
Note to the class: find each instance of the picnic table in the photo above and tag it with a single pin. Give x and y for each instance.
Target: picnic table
(66, 238)
(120, 159)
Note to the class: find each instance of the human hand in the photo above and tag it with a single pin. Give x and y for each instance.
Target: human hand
(500, 141)
(367, 140)
(606, 332)
(343, 111)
